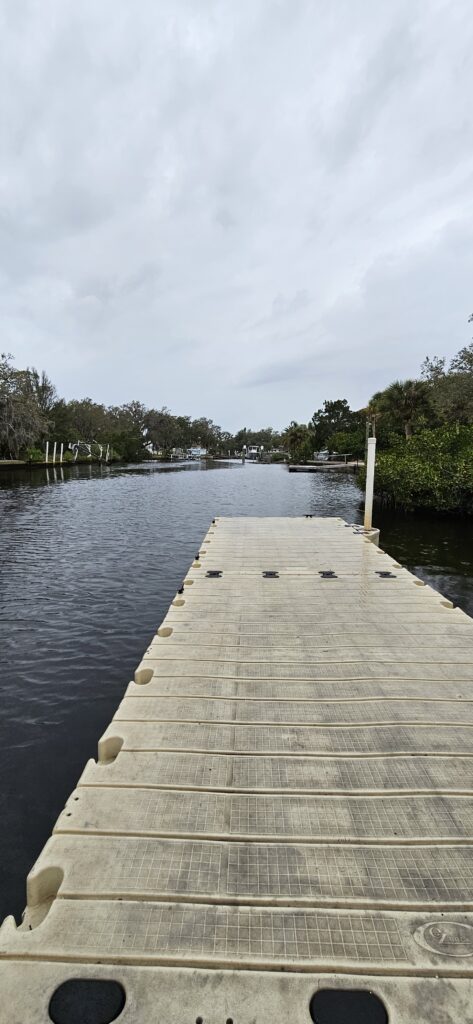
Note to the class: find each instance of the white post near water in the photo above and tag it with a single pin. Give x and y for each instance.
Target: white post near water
(46, 454)
(54, 452)
(61, 452)
(370, 463)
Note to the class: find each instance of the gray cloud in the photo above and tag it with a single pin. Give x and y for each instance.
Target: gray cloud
(283, 371)
(235, 209)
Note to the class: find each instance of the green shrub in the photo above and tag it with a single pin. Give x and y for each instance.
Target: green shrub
(350, 442)
(34, 455)
(432, 470)
(67, 456)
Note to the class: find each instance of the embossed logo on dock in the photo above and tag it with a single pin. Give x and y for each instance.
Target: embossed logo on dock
(449, 938)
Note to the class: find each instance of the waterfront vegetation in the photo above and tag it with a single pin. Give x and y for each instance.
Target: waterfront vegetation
(425, 438)
(432, 471)
(424, 430)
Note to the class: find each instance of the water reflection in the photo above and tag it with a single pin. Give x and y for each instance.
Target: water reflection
(39, 476)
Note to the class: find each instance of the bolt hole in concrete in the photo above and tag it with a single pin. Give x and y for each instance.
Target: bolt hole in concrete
(347, 1006)
(87, 1001)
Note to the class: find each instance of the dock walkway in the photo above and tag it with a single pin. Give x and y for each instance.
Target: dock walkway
(282, 804)
(326, 467)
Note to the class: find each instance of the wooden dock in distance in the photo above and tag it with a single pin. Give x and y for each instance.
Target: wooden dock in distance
(281, 815)
(326, 467)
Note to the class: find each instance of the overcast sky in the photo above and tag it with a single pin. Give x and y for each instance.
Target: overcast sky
(235, 208)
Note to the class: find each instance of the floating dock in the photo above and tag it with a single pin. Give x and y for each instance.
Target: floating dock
(279, 826)
(326, 467)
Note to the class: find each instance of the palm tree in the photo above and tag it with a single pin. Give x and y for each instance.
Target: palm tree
(404, 400)
(297, 440)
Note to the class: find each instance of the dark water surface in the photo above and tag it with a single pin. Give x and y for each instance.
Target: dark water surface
(90, 559)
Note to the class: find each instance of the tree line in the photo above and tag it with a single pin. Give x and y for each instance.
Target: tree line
(31, 412)
(440, 397)
(420, 423)
(424, 431)
(425, 437)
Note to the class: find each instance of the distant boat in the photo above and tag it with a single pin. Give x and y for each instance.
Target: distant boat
(254, 452)
(196, 453)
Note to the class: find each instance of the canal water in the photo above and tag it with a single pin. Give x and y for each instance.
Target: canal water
(90, 559)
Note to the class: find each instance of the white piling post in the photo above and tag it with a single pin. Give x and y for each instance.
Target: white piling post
(46, 455)
(77, 452)
(54, 452)
(61, 452)
(370, 464)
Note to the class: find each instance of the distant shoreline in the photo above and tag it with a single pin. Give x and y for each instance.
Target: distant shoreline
(19, 464)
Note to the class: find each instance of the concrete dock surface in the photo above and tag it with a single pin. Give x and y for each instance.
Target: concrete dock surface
(279, 824)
